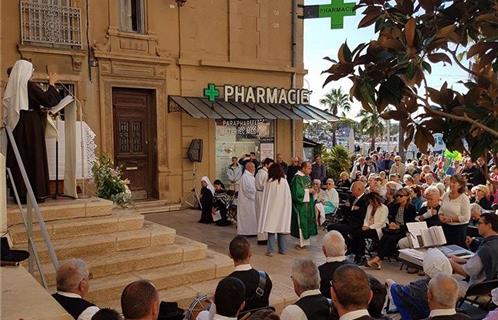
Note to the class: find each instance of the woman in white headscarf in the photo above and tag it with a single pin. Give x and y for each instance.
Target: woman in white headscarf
(206, 198)
(25, 106)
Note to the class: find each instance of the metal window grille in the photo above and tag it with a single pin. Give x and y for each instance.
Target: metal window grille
(50, 22)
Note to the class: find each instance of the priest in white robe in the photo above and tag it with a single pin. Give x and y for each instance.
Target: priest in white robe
(261, 178)
(247, 225)
(276, 209)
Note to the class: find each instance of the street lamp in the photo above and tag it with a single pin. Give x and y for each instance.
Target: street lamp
(181, 3)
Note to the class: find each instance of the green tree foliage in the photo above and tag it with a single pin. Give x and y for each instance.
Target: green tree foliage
(388, 73)
(336, 160)
(372, 125)
(336, 100)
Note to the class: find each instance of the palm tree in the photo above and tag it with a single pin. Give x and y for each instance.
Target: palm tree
(372, 124)
(336, 100)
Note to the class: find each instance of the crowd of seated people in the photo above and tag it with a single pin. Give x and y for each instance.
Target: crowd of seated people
(335, 290)
(428, 189)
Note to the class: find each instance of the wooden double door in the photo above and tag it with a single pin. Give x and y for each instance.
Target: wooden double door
(135, 139)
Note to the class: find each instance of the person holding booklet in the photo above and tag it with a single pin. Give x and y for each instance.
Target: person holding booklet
(25, 108)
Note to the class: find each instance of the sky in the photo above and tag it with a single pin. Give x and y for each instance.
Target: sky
(321, 41)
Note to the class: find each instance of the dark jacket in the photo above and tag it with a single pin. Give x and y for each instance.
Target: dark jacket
(356, 216)
(318, 172)
(73, 306)
(326, 272)
(408, 215)
(250, 278)
(314, 307)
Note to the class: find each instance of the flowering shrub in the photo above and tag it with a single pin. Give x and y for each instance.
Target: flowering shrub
(109, 181)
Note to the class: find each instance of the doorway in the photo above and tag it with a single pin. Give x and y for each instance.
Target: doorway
(135, 139)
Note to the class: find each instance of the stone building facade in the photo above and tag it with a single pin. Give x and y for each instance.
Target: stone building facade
(124, 59)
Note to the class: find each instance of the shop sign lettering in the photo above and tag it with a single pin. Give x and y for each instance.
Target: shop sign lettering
(247, 94)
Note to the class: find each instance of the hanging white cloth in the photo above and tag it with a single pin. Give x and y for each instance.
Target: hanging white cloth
(247, 224)
(15, 97)
(276, 207)
(209, 185)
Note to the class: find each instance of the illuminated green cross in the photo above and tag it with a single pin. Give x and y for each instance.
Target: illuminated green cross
(211, 92)
(336, 11)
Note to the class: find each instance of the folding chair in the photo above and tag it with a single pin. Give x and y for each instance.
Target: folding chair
(470, 305)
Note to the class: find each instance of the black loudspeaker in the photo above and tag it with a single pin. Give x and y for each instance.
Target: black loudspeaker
(194, 152)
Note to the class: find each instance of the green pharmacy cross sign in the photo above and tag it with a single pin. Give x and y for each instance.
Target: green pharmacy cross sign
(336, 11)
(211, 92)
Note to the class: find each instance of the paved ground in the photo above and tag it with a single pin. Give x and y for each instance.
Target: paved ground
(278, 266)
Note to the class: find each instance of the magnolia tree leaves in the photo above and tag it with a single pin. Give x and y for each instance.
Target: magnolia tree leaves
(389, 72)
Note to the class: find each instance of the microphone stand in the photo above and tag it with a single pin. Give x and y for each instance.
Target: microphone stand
(80, 113)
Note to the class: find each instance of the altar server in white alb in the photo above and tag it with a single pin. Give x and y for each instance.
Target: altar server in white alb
(276, 209)
(247, 225)
(261, 178)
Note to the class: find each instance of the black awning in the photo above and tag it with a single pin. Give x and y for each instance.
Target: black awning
(202, 108)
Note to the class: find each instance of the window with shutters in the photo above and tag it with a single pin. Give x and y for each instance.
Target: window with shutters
(132, 16)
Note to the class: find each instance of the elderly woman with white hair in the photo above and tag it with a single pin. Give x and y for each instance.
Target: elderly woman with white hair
(398, 167)
(327, 200)
(480, 196)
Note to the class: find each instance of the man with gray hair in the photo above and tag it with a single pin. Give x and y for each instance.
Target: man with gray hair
(334, 249)
(311, 304)
(442, 297)
(72, 286)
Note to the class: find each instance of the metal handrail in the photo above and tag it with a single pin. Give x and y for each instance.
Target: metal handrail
(32, 205)
(27, 218)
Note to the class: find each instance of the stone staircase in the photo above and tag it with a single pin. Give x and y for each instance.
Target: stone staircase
(155, 206)
(121, 247)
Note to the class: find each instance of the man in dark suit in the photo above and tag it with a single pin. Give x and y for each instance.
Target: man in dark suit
(351, 293)
(354, 213)
(72, 285)
(334, 249)
(442, 296)
(140, 300)
(257, 283)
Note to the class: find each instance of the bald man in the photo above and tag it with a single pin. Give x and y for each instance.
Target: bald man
(247, 224)
(354, 213)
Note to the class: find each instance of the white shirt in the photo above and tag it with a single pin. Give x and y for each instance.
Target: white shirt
(442, 312)
(88, 313)
(293, 312)
(243, 267)
(354, 314)
(459, 207)
(335, 259)
(218, 317)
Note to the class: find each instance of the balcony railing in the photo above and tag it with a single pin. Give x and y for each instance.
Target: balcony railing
(50, 22)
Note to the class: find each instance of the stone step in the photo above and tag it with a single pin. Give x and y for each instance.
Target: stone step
(75, 228)
(151, 235)
(182, 250)
(106, 291)
(158, 206)
(64, 209)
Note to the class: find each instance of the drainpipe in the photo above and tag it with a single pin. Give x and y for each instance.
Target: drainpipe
(293, 65)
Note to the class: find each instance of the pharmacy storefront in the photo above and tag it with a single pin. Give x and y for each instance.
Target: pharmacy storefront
(250, 119)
